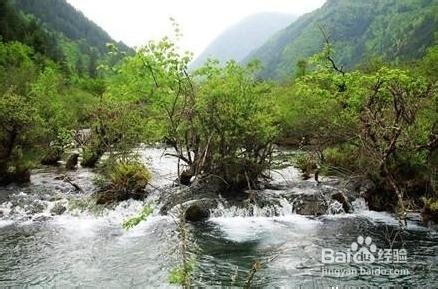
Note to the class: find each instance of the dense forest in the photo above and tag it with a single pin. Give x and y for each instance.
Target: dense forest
(393, 31)
(358, 98)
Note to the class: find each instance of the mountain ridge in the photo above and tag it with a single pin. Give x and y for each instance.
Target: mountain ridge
(394, 30)
(247, 34)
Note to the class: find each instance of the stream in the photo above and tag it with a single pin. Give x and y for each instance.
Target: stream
(41, 246)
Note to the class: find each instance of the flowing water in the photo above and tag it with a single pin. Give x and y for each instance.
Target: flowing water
(84, 248)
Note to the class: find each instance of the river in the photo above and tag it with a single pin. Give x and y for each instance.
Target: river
(86, 248)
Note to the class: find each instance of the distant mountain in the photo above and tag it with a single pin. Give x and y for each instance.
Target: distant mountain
(239, 40)
(395, 30)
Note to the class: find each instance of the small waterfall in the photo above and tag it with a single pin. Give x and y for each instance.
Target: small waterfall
(335, 208)
(360, 205)
(281, 207)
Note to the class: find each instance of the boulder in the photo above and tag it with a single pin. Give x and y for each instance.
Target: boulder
(198, 210)
(341, 198)
(205, 188)
(72, 161)
(209, 184)
(310, 204)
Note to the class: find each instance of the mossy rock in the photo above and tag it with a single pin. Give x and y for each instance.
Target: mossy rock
(72, 161)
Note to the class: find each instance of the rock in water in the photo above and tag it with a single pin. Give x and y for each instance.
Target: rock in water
(58, 209)
(311, 204)
(198, 211)
(341, 198)
(72, 161)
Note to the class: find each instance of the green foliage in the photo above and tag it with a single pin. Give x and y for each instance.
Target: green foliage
(17, 69)
(181, 275)
(235, 123)
(128, 176)
(91, 154)
(60, 16)
(431, 204)
(16, 27)
(17, 124)
(428, 66)
(307, 163)
(134, 221)
(207, 117)
(395, 30)
(380, 124)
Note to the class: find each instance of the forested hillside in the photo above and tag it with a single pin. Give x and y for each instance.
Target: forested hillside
(16, 27)
(60, 16)
(57, 30)
(238, 41)
(393, 30)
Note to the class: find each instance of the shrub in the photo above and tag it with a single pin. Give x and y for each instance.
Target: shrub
(307, 163)
(91, 154)
(430, 210)
(126, 180)
(129, 176)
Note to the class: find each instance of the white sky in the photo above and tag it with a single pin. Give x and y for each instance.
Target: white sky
(137, 21)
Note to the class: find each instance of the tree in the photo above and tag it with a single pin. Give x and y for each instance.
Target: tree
(17, 129)
(220, 121)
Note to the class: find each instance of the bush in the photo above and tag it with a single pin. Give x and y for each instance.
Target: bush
(91, 155)
(430, 210)
(307, 163)
(129, 176)
(126, 180)
(52, 157)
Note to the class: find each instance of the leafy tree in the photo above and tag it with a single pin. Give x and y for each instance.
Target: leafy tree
(17, 128)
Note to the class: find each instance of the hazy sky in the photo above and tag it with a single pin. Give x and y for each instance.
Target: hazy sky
(137, 21)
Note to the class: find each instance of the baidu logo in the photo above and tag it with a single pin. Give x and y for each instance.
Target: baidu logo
(363, 251)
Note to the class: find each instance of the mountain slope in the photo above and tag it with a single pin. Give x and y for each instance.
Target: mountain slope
(60, 16)
(239, 40)
(15, 27)
(395, 30)
(57, 30)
